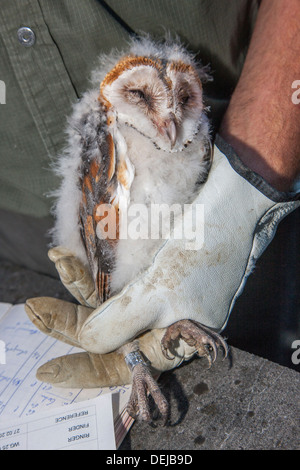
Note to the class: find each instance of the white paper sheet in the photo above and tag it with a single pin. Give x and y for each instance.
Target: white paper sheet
(80, 426)
(21, 394)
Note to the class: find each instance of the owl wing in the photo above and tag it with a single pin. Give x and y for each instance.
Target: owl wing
(103, 181)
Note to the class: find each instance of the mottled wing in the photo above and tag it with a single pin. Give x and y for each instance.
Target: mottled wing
(99, 186)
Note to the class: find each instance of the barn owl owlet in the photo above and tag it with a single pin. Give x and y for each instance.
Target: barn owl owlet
(142, 137)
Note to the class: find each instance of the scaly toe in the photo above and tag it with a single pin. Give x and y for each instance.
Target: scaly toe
(143, 384)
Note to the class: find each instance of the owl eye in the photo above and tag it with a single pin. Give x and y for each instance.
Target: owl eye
(142, 98)
(184, 94)
(138, 93)
(184, 100)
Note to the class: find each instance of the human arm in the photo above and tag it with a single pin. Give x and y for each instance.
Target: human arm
(262, 123)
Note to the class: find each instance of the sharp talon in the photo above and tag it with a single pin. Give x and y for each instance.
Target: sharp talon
(213, 348)
(225, 347)
(193, 333)
(208, 357)
(225, 354)
(219, 340)
(165, 347)
(166, 354)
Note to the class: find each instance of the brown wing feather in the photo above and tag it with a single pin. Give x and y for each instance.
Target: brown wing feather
(98, 184)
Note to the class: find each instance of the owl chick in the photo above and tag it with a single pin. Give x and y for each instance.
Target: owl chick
(141, 138)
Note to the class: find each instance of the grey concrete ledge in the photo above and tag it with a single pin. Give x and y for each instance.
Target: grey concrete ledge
(249, 404)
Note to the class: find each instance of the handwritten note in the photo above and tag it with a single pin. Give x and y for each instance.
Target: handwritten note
(21, 394)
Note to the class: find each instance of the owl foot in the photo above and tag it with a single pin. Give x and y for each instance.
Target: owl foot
(205, 340)
(143, 384)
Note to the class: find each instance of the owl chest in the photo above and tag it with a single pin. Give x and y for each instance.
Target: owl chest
(159, 177)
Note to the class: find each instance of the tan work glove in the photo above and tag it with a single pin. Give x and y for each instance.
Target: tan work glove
(63, 321)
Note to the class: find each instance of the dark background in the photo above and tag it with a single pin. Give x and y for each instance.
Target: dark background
(266, 317)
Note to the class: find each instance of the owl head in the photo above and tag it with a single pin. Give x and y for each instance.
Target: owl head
(156, 88)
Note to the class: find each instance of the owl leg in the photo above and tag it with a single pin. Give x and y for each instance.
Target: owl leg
(143, 384)
(205, 340)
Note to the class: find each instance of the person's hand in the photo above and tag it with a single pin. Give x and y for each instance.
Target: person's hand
(63, 321)
(241, 214)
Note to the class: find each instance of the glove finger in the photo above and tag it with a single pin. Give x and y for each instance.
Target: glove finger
(75, 276)
(119, 320)
(88, 370)
(85, 370)
(57, 318)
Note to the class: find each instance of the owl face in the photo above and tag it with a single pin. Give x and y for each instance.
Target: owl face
(161, 99)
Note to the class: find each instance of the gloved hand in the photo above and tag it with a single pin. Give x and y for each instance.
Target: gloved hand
(63, 321)
(241, 214)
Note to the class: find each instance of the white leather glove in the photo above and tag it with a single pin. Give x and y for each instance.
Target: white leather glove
(63, 320)
(241, 214)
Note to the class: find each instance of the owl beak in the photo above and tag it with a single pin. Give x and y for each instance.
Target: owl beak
(171, 131)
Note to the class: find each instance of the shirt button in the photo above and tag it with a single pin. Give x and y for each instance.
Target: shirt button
(26, 36)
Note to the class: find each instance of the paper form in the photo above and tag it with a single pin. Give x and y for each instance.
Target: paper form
(80, 426)
(21, 394)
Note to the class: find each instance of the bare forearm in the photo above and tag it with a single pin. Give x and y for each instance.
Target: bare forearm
(262, 123)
